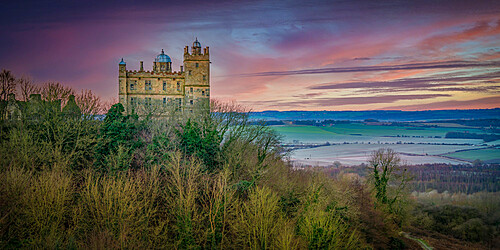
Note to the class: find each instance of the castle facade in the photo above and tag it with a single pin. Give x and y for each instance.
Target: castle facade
(162, 88)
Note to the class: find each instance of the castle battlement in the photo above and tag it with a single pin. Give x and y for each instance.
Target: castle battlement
(153, 73)
(162, 86)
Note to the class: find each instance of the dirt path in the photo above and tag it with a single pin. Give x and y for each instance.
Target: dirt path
(422, 243)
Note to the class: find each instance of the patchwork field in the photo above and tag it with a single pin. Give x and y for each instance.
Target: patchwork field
(355, 154)
(352, 144)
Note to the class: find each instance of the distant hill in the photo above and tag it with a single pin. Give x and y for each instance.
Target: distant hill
(381, 115)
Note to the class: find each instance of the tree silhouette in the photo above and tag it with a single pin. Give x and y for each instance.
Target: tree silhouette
(7, 84)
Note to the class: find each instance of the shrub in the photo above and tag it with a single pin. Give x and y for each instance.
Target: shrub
(323, 227)
(259, 221)
(45, 210)
(122, 209)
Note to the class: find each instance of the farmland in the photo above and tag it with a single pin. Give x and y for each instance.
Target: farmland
(352, 143)
(486, 155)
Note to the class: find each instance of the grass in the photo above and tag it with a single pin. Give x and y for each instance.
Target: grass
(368, 130)
(482, 154)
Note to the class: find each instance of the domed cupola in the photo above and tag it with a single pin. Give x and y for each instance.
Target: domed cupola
(162, 63)
(162, 57)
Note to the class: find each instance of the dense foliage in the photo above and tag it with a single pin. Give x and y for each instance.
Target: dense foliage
(202, 180)
(206, 180)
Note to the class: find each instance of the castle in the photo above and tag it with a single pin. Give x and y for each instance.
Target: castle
(162, 88)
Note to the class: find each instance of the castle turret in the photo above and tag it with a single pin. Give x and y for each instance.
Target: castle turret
(122, 82)
(197, 74)
(122, 67)
(197, 65)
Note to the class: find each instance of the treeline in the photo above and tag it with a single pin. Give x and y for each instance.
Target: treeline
(455, 178)
(15, 93)
(181, 180)
(441, 177)
(462, 135)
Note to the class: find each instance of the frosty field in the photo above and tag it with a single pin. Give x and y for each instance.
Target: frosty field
(352, 144)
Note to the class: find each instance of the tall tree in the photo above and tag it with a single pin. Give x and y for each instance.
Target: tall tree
(389, 180)
(7, 84)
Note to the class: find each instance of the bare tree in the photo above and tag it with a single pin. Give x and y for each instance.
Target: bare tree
(89, 103)
(7, 84)
(26, 87)
(53, 91)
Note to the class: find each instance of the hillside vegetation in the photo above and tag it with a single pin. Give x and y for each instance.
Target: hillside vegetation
(186, 181)
(206, 180)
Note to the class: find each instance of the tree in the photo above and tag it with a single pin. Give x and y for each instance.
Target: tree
(389, 179)
(200, 141)
(117, 139)
(89, 103)
(7, 84)
(53, 91)
(26, 87)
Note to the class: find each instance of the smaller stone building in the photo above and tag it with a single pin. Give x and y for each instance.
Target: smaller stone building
(14, 110)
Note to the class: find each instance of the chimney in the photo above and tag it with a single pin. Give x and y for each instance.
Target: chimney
(207, 49)
(142, 66)
(186, 50)
(182, 68)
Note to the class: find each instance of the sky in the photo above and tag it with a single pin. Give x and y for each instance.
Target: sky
(272, 55)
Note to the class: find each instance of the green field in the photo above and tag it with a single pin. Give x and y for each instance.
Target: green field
(370, 130)
(357, 132)
(355, 141)
(488, 154)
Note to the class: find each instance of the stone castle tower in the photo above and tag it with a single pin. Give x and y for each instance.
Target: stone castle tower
(162, 87)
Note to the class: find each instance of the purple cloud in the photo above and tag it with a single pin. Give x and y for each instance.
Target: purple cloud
(410, 66)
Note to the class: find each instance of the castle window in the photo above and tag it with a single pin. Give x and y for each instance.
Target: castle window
(164, 100)
(204, 77)
(147, 101)
(191, 90)
(191, 102)
(189, 72)
(147, 85)
(197, 65)
(164, 85)
(203, 93)
(132, 100)
(132, 85)
(179, 101)
(178, 86)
